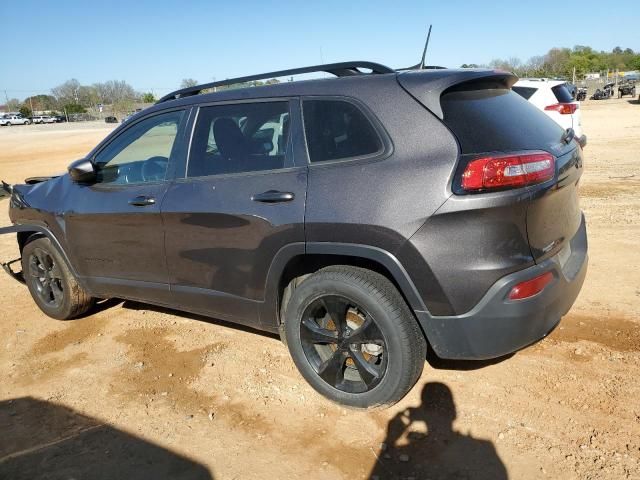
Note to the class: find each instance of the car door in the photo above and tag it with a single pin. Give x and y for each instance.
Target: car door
(114, 227)
(242, 198)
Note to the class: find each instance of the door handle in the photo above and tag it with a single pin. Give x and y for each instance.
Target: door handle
(273, 196)
(142, 201)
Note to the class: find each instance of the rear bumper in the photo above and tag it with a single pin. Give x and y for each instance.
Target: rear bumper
(498, 326)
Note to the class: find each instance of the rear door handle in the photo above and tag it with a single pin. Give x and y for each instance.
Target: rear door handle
(142, 201)
(273, 196)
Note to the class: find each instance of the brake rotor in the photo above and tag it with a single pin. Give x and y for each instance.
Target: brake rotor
(354, 321)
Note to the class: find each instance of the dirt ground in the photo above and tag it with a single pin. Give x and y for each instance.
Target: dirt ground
(134, 391)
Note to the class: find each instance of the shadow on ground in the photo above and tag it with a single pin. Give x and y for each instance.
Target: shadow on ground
(133, 305)
(421, 443)
(41, 440)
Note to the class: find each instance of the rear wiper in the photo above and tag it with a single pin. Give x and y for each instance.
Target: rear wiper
(568, 135)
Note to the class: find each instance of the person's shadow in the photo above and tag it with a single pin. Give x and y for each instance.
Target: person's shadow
(421, 444)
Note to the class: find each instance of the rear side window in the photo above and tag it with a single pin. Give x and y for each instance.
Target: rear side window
(525, 92)
(336, 129)
(245, 137)
(562, 93)
(491, 120)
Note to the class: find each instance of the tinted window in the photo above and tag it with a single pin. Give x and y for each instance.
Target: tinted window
(525, 92)
(244, 137)
(141, 153)
(337, 129)
(562, 93)
(497, 120)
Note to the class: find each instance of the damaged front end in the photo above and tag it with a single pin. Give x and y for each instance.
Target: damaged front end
(7, 190)
(25, 212)
(19, 276)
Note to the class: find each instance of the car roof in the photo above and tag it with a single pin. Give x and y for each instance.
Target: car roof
(356, 86)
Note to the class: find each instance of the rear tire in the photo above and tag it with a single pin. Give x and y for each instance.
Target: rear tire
(353, 337)
(51, 283)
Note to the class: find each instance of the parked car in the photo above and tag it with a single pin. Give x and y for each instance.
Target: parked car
(110, 119)
(582, 94)
(368, 220)
(554, 99)
(60, 118)
(9, 120)
(628, 88)
(43, 119)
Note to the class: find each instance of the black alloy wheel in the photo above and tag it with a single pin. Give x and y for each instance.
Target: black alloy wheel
(47, 278)
(343, 344)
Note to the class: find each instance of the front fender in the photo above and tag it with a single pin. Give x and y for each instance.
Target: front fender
(40, 230)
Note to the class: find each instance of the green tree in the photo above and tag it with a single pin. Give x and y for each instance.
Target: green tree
(25, 111)
(41, 102)
(74, 108)
(148, 98)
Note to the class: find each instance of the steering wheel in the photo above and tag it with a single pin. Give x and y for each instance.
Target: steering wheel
(154, 169)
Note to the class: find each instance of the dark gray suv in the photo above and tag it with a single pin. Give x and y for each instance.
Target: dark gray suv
(363, 217)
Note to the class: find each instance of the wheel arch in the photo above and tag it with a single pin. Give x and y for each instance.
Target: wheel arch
(27, 232)
(295, 261)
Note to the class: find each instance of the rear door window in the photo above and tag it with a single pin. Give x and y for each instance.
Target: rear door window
(238, 138)
(337, 130)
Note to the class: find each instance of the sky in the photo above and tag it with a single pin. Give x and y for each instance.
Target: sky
(153, 45)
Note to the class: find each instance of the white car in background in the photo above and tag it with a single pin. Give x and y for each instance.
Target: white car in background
(44, 119)
(9, 120)
(554, 99)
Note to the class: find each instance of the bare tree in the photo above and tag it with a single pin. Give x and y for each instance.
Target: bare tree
(114, 91)
(13, 105)
(188, 82)
(68, 92)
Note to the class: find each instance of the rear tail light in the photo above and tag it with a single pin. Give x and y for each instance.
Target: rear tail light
(563, 108)
(530, 287)
(508, 171)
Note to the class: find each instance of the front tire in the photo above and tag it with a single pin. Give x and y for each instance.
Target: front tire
(353, 337)
(51, 283)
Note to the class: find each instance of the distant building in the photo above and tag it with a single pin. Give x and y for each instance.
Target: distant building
(592, 76)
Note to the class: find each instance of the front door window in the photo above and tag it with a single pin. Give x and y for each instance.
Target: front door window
(140, 154)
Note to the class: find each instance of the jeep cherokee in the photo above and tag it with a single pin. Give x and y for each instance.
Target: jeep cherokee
(363, 218)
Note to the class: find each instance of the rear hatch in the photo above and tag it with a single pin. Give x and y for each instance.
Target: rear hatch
(488, 119)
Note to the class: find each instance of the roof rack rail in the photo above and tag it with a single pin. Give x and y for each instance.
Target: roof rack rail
(343, 69)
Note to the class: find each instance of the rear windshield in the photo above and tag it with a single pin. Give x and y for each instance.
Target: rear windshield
(562, 93)
(525, 92)
(498, 120)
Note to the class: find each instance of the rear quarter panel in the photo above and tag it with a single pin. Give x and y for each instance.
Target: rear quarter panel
(381, 202)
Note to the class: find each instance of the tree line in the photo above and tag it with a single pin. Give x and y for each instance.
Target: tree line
(560, 62)
(72, 97)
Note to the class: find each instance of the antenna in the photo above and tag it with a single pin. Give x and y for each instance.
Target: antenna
(424, 52)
